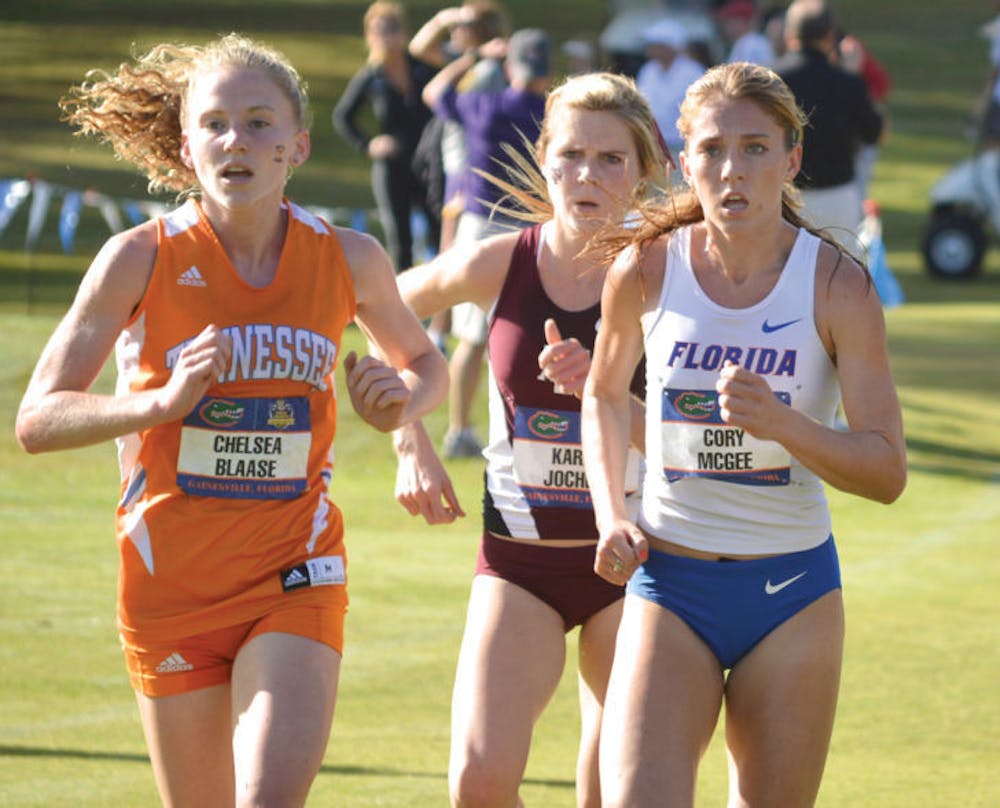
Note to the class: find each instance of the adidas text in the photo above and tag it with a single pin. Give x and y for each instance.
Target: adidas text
(191, 277)
(174, 663)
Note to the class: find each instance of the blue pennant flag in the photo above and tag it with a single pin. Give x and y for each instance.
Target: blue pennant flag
(69, 219)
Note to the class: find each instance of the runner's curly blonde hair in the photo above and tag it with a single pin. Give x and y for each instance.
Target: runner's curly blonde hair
(139, 109)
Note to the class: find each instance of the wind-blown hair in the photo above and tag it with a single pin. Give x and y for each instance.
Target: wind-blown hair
(734, 81)
(594, 92)
(139, 110)
(728, 82)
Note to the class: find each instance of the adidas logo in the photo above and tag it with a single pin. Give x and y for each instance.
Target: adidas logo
(295, 578)
(174, 663)
(191, 277)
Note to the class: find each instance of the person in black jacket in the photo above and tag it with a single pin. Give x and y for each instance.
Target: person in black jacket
(841, 118)
(391, 84)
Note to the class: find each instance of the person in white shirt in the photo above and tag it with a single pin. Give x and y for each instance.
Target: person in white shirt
(739, 25)
(665, 77)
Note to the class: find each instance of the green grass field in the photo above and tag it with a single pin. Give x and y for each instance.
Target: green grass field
(920, 702)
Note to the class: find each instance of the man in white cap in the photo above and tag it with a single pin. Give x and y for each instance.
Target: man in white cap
(666, 76)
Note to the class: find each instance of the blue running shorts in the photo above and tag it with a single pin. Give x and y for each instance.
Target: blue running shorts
(733, 604)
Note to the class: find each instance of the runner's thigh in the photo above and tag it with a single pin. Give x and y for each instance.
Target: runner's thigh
(284, 692)
(780, 705)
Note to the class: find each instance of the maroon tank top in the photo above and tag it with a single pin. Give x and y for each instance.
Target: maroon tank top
(535, 482)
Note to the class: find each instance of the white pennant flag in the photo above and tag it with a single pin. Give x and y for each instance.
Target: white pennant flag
(112, 216)
(106, 205)
(40, 199)
(11, 198)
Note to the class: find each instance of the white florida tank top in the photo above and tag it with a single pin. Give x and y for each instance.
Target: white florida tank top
(708, 485)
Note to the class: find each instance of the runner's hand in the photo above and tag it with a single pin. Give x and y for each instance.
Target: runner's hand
(747, 401)
(378, 393)
(564, 362)
(620, 552)
(423, 486)
(199, 365)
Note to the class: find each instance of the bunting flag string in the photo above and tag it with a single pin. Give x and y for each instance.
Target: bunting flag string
(116, 213)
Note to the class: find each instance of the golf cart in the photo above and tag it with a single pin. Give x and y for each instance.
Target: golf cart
(965, 213)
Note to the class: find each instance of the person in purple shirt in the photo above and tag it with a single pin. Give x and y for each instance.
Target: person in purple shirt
(494, 123)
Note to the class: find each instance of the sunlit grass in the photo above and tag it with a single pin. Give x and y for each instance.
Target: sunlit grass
(916, 724)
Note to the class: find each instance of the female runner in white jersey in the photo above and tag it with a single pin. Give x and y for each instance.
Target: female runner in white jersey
(753, 329)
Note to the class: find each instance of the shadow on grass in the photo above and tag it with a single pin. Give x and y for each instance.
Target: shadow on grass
(136, 757)
(73, 754)
(33, 287)
(948, 460)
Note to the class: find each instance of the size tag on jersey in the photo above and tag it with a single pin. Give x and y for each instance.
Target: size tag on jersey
(245, 448)
(548, 459)
(321, 571)
(696, 443)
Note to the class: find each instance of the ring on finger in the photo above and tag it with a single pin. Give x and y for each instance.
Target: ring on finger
(617, 566)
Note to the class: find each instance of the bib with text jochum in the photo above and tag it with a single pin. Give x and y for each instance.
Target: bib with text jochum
(245, 448)
(696, 443)
(548, 459)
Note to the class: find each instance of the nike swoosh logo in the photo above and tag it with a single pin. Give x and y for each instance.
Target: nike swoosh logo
(773, 589)
(767, 328)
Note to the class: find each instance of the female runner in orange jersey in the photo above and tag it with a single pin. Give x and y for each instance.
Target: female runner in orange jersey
(227, 316)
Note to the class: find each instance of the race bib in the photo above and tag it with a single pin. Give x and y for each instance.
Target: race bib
(548, 459)
(696, 443)
(245, 448)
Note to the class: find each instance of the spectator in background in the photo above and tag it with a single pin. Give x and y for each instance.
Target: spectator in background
(841, 116)
(772, 24)
(987, 110)
(739, 24)
(390, 84)
(454, 30)
(580, 56)
(491, 121)
(702, 51)
(854, 57)
(667, 74)
(449, 34)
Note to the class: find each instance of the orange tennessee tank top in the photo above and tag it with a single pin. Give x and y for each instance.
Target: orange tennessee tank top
(225, 514)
